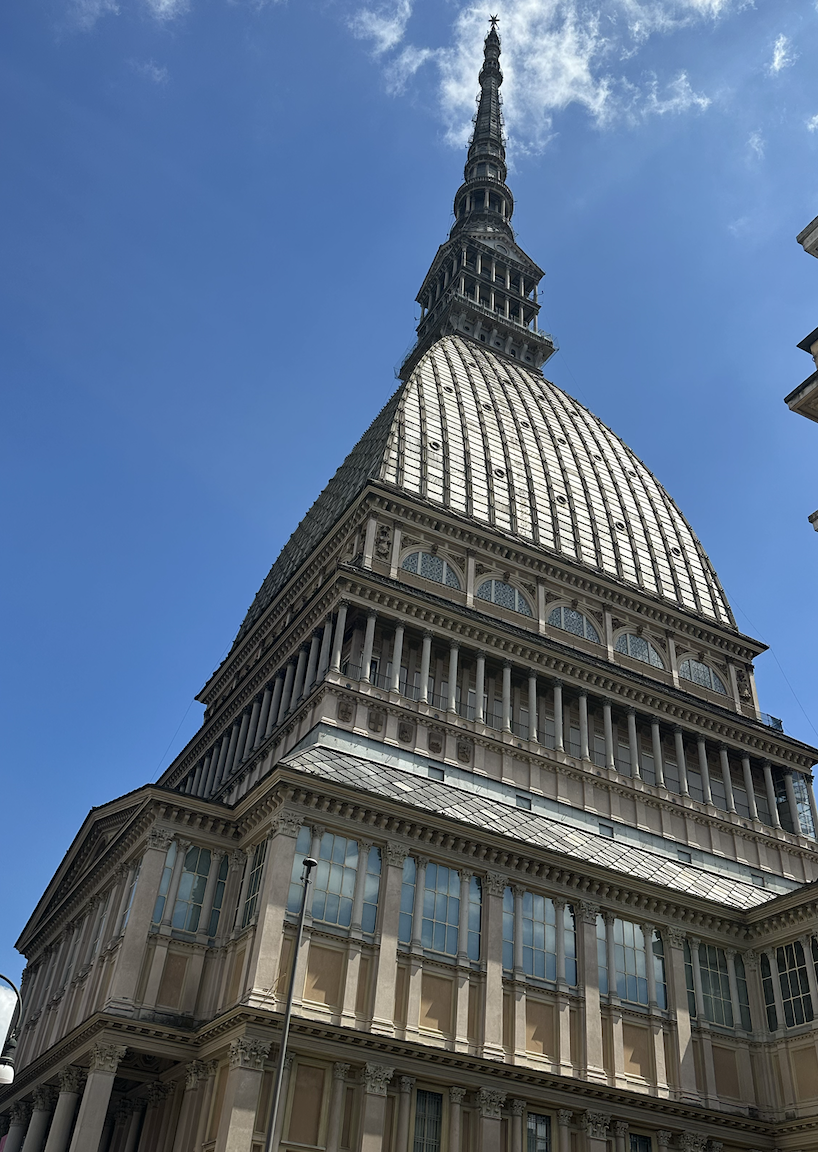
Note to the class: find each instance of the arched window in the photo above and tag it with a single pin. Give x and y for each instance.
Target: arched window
(498, 592)
(431, 568)
(638, 649)
(699, 673)
(572, 621)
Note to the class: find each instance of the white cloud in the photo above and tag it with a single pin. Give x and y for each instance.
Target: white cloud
(164, 10)
(756, 144)
(555, 53)
(812, 123)
(384, 26)
(86, 12)
(150, 70)
(783, 57)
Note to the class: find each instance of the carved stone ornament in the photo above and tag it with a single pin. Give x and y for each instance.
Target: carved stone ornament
(406, 732)
(586, 912)
(160, 838)
(491, 1101)
(20, 1112)
(565, 1116)
(495, 883)
(692, 1142)
(435, 741)
(376, 1078)
(517, 1107)
(406, 1083)
(715, 1145)
(456, 1095)
(396, 853)
(194, 1072)
(675, 937)
(345, 711)
(464, 751)
(44, 1097)
(383, 542)
(750, 960)
(71, 1079)
(107, 1057)
(340, 1071)
(375, 720)
(287, 824)
(237, 858)
(159, 1091)
(249, 1053)
(596, 1124)
(663, 1138)
(621, 1128)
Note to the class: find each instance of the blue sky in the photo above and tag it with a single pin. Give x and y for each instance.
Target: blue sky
(215, 217)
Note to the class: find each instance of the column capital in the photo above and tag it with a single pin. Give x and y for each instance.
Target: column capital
(427, 634)
(340, 1071)
(376, 1078)
(583, 693)
(596, 1124)
(406, 1083)
(676, 937)
(287, 824)
(692, 1142)
(506, 662)
(158, 1091)
(557, 682)
(422, 861)
(194, 1072)
(20, 1112)
(491, 1102)
(564, 1117)
(160, 838)
(750, 959)
(517, 1107)
(620, 1128)
(786, 769)
(456, 1095)
(396, 853)
(663, 1138)
(694, 942)
(44, 1098)
(238, 857)
(107, 1057)
(317, 831)
(631, 710)
(247, 1052)
(71, 1079)
(371, 613)
(495, 883)
(586, 911)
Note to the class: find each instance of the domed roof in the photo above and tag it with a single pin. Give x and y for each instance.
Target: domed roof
(490, 440)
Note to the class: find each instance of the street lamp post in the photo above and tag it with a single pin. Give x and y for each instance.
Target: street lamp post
(309, 864)
(10, 1046)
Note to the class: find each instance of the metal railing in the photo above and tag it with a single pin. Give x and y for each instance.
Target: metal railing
(771, 721)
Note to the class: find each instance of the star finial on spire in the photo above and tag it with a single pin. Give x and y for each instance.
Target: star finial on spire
(494, 21)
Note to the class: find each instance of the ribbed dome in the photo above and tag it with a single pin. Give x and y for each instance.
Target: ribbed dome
(488, 439)
(493, 441)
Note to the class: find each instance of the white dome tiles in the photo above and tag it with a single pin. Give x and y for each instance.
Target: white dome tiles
(491, 440)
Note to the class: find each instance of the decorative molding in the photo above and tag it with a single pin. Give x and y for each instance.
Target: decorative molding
(396, 853)
(340, 1071)
(194, 1072)
(376, 1078)
(596, 1124)
(44, 1098)
(586, 912)
(491, 1101)
(564, 1117)
(287, 824)
(107, 1057)
(495, 883)
(160, 838)
(406, 1083)
(71, 1079)
(247, 1052)
(518, 1107)
(456, 1095)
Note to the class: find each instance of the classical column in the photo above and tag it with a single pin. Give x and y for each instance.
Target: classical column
(607, 726)
(724, 763)
(175, 880)
(425, 660)
(373, 1110)
(216, 858)
(20, 1114)
(586, 915)
(416, 945)
(397, 657)
(389, 898)
(533, 727)
(772, 958)
(633, 745)
(247, 1056)
(701, 1018)
(813, 805)
(559, 743)
(44, 1099)
(255, 714)
(129, 957)
(704, 768)
(223, 747)
(454, 652)
(517, 1113)
(70, 1080)
(105, 1059)
(264, 714)
(480, 689)
(455, 1109)
(336, 1106)
(771, 801)
(748, 787)
(494, 886)
(242, 740)
(275, 705)
(584, 750)
(491, 1102)
(369, 641)
(312, 664)
(406, 1084)
(326, 648)
(298, 679)
(353, 966)
(506, 695)
(656, 741)
(564, 1118)
(211, 1068)
(791, 801)
(620, 1136)
(681, 762)
(286, 692)
(195, 1072)
(231, 750)
(272, 906)
(134, 1131)
(596, 1126)
(338, 638)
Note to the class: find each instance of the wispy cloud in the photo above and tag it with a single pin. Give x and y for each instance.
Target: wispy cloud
(756, 143)
(555, 53)
(812, 123)
(85, 13)
(150, 70)
(783, 56)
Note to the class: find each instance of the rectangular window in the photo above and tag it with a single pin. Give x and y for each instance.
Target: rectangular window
(769, 993)
(441, 909)
(218, 897)
(256, 865)
(718, 1006)
(99, 932)
(629, 957)
(188, 906)
(671, 773)
(640, 1143)
(691, 986)
(602, 955)
(164, 884)
(372, 885)
(743, 994)
(508, 929)
(475, 916)
(333, 885)
(407, 901)
(792, 974)
(428, 1121)
(538, 1131)
(129, 901)
(801, 789)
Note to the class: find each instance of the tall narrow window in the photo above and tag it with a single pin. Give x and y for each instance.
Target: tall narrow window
(164, 884)
(102, 919)
(372, 885)
(631, 954)
(800, 787)
(538, 1131)
(126, 912)
(743, 994)
(256, 865)
(474, 919)
(407, 901)
(769, 993)
(718, 1006)
(792, 974)
(441, 909)
(334, 885)
(188, 906)
(218, 896)
(508, 929)
(689, 982)
(428, 1120)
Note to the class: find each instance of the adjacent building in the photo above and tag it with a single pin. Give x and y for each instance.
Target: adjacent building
(804, 399)
(567, 884)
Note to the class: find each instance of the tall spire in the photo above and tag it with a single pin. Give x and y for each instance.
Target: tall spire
(481, 284)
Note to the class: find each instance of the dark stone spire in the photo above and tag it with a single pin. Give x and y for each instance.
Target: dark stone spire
(481, 284)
